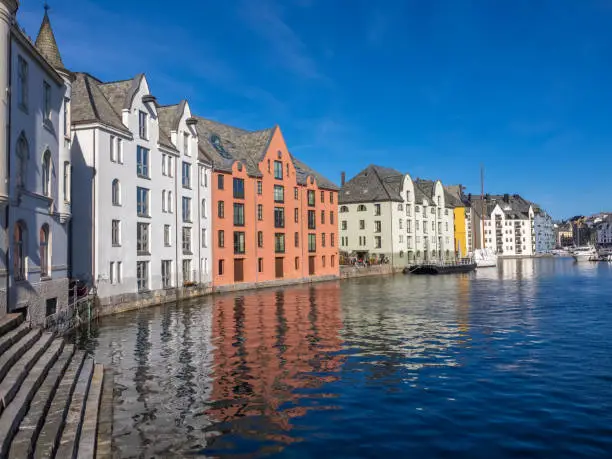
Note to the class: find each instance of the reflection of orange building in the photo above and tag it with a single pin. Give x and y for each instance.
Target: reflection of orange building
(267, 345)
(274, 219)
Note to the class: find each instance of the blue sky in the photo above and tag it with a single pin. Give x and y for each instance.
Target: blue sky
(430, 87)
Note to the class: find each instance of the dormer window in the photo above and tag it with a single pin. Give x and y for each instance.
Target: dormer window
(142, 125)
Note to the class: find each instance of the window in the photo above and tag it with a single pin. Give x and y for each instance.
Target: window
(296, 194)
(409, 226)
(67, 177)
(221, 267)
(111, 146)
(164, 200)
(417, 208)
(400, 207)
(322, 239)
(268, 166)
(279, 242)
(401, 224)
(203, 210)
(297, 263)
(142, 125)
(204, 238)
(119, 151)
(142, 162)
(116, 193)
(343, 209)
(311, 198)
(220, 182)
(22, 158)
(142, 238)
(361, 224)
(142, 201)
(119, 271)
(170, 161)
(260, 212)
(259, 187)
(186, 209)
(333, 261)
(47, 101)
(377, 242)
(166, 273)
(167, 235)
(111, 272)
(279, 217)
(312, 224)
(278, 170)
(446, 225)
(116, 233)
(296, 239)
(221, 209)
(203, 177)
(260, 265)
(331, 197)
(186, 175)
(239, 214)
(312, 242)
(296, 215)
(322, 197)
(170, 206)
(376, 209)
(186, 239)
(322, 217)
(221, 235)
(186, 143)
(323, 261)
(44, 251)
(361, 208)
(239, 242)
(186, 271)
(416, 224)
(343, 225)
(238, 188)
(287, 167)
(331, 217)
(19, 252)
(279, 193)
(142, 273)
(22, 94)
(260, 239)
(332, 239)
(46, 173)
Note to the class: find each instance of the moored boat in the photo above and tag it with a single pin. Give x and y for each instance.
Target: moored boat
(462, 266)
(584, 253)
(485, 258)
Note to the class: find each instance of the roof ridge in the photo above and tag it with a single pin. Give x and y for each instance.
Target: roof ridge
(380, 180)
(90, 97)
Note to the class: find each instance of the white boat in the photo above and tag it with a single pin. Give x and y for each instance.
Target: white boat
(485, 258)
(584, 253)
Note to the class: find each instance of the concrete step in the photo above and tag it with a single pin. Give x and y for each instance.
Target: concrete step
(50, 434)
(89, 431)
(10, 321)
(105, 417)
(19, 371)
(74, 421)
(23, 442)
(15, 411)
(14, 353)
(11, 337)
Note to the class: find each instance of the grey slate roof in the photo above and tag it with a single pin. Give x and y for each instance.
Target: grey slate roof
(46, 44)
(303, 172)
(516, 208)
(168, 118)
(372, 184)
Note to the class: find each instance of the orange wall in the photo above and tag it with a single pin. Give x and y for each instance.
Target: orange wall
(277, 151)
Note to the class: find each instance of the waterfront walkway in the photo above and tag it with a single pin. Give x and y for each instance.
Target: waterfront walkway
(50, 396)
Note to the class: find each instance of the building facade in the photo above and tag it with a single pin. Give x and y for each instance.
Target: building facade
(144, 195)
(274, 219)
(36, 168)
(463, 220)
(544, 230)
(387, 217)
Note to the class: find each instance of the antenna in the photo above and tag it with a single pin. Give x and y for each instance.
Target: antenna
(482, 203)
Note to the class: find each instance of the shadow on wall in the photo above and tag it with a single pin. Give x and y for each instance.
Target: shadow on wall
(81, 232)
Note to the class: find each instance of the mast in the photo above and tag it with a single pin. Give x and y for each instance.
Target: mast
(482, 204)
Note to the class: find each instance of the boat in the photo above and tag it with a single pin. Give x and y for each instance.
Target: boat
(584, 253)
(465, 265)
(485, 258)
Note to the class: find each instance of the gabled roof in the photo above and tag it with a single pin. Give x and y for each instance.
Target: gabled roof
(372, 184)
(168, 118)
(46, 44)
(303, 172)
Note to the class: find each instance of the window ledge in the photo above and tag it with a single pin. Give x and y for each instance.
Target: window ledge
(143, 176)
(187, 252)
(143, 254)
(116, 245)
(143, 216)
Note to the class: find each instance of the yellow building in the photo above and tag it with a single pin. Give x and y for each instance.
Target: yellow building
(462, 221)
(461, 235)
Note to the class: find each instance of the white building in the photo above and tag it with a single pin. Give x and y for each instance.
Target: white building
(35, 170)
(385, 214)
(509, 225)
(144, 197)
(544, 230)
(604, 231)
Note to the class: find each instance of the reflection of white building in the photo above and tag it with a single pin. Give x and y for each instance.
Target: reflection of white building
(385, 213)
(35, 170)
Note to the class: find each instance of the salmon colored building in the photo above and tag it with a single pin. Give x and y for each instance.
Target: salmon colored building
(274, 220)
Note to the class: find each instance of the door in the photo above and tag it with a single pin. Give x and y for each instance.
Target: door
(311, 265)
(278, 267)
(239, 270)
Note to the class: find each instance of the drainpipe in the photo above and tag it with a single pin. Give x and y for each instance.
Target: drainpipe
(93, 211)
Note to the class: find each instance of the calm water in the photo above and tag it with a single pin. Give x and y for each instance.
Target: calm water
(508, 362)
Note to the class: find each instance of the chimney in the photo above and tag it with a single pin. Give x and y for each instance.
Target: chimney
(507, 198)
(342, 178)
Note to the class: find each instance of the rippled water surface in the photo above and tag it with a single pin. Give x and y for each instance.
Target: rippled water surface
(507, 362)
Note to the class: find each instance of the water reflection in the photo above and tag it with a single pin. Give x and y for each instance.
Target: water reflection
(513, 361)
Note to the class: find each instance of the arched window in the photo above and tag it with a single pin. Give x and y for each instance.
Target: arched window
(361, 208)
(343, 209)
(116, 192)
(19, 251)
(204, 208)
(22, 161)
(169, 202)
(46, 173)
(164, 200)
(44, 251)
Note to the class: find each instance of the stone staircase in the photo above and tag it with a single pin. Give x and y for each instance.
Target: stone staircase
(50, 397)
